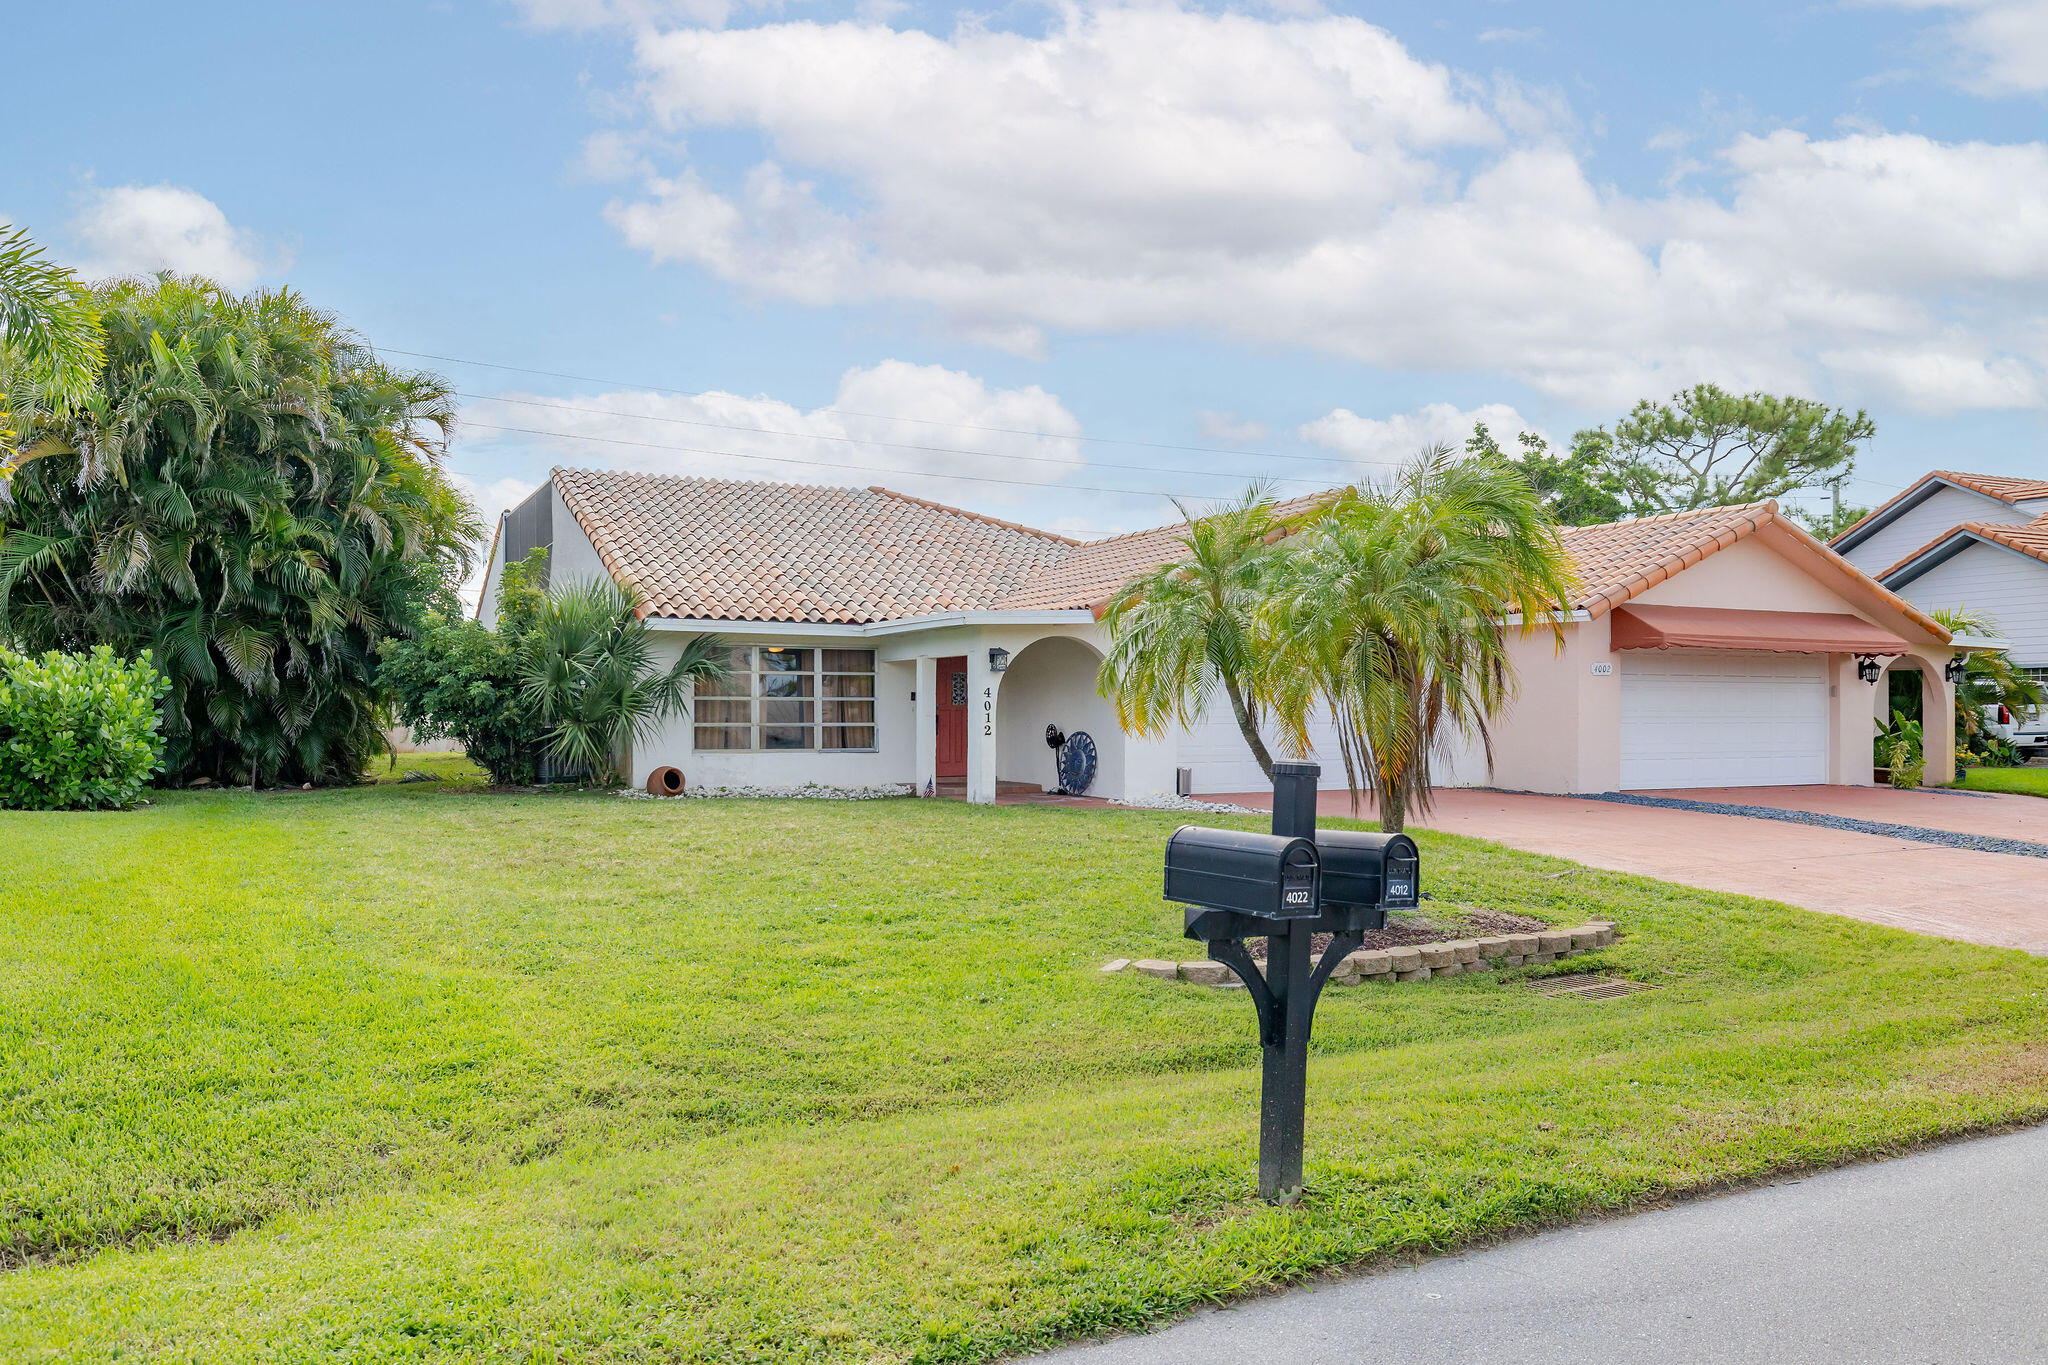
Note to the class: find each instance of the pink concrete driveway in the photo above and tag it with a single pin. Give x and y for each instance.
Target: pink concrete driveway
(2004, 814)
(1999, 899)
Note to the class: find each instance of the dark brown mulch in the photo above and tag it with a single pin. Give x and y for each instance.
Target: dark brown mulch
(1473, 923)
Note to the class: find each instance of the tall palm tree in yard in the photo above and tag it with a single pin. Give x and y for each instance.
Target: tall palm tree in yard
(590, 677)
(1390, 611)
(49, 343)
(1183, 630)
(248, 492)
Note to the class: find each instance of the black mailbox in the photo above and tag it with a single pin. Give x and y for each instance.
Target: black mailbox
(1268, 875)
(1369, 871)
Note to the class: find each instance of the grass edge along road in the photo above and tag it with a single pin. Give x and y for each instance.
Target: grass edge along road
(2030, 780)
(404, 1073)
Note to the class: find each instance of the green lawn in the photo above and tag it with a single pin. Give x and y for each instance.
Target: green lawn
(413, 1073)
(2031, 780)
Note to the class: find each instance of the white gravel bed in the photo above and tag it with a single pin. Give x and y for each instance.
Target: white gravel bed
(804, 791)
(1161, 801)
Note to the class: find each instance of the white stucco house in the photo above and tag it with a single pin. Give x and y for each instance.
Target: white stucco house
(883, 638)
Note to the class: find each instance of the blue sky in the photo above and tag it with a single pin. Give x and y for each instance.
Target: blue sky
(1023, 258)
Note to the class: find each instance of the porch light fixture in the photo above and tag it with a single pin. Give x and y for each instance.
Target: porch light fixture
(998, 661)
(1955, 669)
(1868, 668)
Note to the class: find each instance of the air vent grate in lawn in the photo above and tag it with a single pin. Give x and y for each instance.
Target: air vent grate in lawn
(1588, 986)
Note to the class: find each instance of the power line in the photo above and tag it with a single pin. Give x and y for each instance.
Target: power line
(894, 445)
(903, 445)
(827, 464)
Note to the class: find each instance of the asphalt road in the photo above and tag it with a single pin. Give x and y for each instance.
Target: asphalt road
(1940, 1258)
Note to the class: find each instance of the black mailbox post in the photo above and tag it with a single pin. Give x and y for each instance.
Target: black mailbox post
(1286, 887)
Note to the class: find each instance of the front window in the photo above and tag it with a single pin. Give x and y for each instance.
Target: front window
(781, 698)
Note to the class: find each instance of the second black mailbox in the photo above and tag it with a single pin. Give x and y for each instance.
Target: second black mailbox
(1267, 875)
(1363, 871)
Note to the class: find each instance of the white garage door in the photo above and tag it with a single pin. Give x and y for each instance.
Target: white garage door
(1691, 718)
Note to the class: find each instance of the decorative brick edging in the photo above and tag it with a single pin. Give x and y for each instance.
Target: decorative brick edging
(1418, 962)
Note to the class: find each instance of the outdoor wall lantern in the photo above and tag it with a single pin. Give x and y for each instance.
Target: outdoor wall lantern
(998, 660)
(1868, 668)
(1956, 669)
(1286, 887)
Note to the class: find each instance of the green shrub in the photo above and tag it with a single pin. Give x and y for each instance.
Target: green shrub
(458, 679)
(78, 731)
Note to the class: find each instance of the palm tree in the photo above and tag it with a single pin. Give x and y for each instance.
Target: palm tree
(251, 494)
(589, 675)
(1391, 610)
(49, 343)
(1990, 678)
(1185, 628)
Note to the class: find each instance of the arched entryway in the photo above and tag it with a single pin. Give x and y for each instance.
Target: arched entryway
(1913, 688)
(1052, 682)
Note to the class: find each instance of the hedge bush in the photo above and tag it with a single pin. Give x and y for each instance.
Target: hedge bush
(78, 731)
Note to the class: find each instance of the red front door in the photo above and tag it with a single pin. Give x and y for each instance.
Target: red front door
(953, 717)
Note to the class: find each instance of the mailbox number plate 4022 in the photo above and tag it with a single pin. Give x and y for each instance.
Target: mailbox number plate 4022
(1297, 892)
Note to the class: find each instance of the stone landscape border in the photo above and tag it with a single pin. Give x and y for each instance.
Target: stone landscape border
(1414, 962)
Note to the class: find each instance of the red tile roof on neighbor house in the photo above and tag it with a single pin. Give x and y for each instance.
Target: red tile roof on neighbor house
(2030, 538)
(725, 550)
(2006, 488)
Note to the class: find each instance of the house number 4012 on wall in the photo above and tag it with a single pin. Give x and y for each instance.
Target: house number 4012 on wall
(988, 712)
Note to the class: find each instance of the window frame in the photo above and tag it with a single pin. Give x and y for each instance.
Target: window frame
(814, 692)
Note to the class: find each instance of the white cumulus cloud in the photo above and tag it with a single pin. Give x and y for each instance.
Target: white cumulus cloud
(1010, 441)
(135, 229)
(1304, 180)
(1995, 47)
(1377, 444)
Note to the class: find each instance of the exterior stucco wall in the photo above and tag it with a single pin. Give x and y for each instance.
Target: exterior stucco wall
(487, 596)
(1052, 681)
(672, 744)
(1550, 737)
(1747, 575)
(571, 558)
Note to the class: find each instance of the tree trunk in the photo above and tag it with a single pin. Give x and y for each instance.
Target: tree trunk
(1248, 727)
(1393, 808)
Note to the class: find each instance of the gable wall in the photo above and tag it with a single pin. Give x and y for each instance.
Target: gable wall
(1947, 508)
(2010, 586)
(1748, 575)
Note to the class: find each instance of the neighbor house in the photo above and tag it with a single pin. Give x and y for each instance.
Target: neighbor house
(1976, 540)
(882, 638)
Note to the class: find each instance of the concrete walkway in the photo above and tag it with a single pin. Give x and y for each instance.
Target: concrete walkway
(1992, 898)
(1934, 1258)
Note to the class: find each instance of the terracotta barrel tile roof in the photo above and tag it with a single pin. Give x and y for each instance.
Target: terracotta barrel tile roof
(1619, 559)
(1096, 569)
(2004, 487)
(2030, 539)
(727, 550)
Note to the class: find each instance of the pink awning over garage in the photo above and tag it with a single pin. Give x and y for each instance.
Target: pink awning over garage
(1647, 626)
